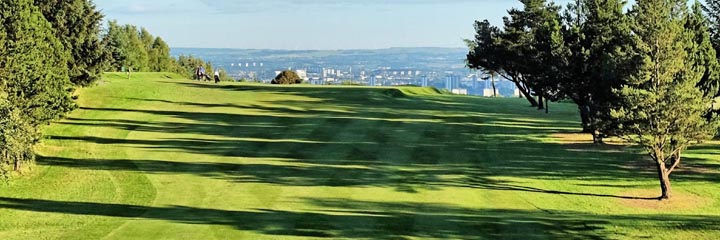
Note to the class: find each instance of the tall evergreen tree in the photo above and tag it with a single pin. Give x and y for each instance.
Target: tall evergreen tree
(160, 60)
(77, 25)
(547, 53)
(702, 53)
(529, 50)
(115, 45)
(598, 37)
(510, 52)
(138, 58)
(146, 38)
(661, 108)
(34, 80)
(487, 55)
(712, 10)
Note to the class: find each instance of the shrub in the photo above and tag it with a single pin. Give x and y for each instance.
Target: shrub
(287, 77)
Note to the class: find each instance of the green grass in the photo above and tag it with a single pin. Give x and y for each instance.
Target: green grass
(159, 157)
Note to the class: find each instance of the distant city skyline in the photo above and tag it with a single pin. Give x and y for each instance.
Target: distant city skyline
(308, 24)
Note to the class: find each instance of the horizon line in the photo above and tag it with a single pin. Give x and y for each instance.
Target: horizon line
(309, 49)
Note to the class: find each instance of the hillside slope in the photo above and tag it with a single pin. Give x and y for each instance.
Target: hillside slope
(161, 157)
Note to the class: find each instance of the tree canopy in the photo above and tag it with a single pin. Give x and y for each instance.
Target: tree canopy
(35, 84)
(77, 25)
(648, 75)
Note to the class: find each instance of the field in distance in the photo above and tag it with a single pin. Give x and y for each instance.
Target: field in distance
(162, 157)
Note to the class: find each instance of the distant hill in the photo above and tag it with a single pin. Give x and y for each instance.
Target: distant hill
(430, 59)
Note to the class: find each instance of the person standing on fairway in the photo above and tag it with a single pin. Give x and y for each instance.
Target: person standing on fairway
(197, 73)
(217, 76)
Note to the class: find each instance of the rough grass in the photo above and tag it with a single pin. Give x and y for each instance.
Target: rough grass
(160, 157)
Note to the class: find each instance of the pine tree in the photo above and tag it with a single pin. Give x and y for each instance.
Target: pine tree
(660, 107)
(547, 53)
(703, 54)
(34, 80)
(712, 10)
(512, 52)
(77, 25)
(599, 41)
(115, 45)
(485, 55)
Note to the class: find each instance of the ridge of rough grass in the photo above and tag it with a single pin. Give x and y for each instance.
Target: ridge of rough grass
(141, 76)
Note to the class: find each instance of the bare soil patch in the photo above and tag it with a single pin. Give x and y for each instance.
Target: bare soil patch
(679, 200)
(584, 142)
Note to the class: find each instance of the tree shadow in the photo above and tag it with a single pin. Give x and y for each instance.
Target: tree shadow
(343, 218)
(408, 144)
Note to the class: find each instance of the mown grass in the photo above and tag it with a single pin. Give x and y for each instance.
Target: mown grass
(160, 157)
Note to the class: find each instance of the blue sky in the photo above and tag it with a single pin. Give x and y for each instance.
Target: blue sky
(308, 24)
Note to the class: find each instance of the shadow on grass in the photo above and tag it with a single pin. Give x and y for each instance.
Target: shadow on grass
(407, 144)
(399, 177)
(365, 138)
(343, 218)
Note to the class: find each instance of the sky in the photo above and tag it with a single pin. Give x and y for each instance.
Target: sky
(308, 24)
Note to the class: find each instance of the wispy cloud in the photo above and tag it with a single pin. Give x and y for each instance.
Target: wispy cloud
(142, 7)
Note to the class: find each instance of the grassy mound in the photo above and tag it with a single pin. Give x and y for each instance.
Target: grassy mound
(161, 157)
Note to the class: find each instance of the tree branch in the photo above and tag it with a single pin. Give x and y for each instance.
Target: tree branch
(676, 163)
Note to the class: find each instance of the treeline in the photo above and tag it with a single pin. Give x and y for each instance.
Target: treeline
(50, 47)
(650, 74)
(46, 48)
(129, 48)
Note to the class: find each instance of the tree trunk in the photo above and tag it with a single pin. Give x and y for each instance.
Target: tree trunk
(664, 176)
(493, 85)
(597, 137)
(524, 93)
(547, 106)
(18, 164)
(541, 102)
(585, 117)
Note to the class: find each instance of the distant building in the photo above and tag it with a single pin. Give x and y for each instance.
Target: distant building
(460, 91)
(302, 74)
(488, 92)
(452, 82)
(474, 81)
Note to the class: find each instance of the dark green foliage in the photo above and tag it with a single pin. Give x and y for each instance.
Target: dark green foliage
(504, 51)
(77, 26)
(529, 50)
(34, 86)
(186, 66)
(116, 46)
(702, 53)
(547, 53)
(137, 50)
(599, 39)
(224, 76)
(287, 77)
(160, 60)
(712, 10)
(581, 56)
(131, 49)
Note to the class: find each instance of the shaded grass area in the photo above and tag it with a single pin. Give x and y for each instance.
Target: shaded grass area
(157, 157)
(351, 219)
